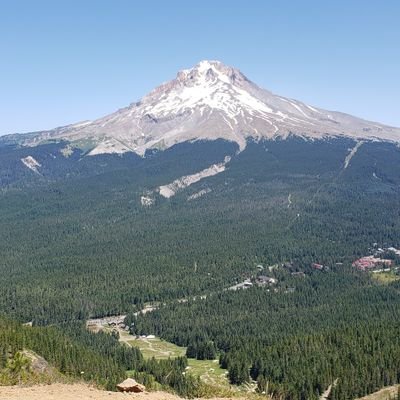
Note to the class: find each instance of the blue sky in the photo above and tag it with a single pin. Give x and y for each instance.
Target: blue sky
(64, 61)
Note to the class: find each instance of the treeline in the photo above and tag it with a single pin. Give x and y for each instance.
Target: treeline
(359, 359)
(97, 358)
(201, 350)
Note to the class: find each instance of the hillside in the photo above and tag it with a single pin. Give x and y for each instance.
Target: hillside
(94, 236)
(387, 393)
(234, 215)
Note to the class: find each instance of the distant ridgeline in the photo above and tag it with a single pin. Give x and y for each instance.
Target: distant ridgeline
(87, 236)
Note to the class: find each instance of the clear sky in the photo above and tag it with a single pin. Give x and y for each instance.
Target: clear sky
(63, 61)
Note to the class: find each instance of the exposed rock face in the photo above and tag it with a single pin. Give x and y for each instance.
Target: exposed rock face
(31, 163)
(38, 363)
(171, 189)
(131, 386)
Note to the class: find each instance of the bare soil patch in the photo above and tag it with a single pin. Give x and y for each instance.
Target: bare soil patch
(60, 391)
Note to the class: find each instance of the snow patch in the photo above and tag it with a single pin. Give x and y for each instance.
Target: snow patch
(297, 108)
(31, 163)
(374, 175)
(216, 91)
(147, 201)
(313, 109)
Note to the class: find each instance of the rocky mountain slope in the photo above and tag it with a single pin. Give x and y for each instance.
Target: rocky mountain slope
(208, 101)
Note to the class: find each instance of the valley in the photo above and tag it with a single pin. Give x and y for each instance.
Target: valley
(213, 239)
(209, 371)
(84, 247)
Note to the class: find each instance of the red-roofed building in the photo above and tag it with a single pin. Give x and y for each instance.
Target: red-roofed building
(371, 262)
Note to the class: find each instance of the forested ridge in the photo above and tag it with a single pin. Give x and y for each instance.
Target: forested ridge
(98, 358)
(336, 324)
(76, 242)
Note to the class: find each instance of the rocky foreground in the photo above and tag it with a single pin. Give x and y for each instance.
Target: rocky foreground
(60, 391)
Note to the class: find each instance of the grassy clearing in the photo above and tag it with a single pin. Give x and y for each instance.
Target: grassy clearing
(209, 370)
(385, 278)
(383, 394)
(157, 348)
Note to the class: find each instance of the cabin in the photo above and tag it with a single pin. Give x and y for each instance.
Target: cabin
(394, 250)
(317, 266)
(266, 280)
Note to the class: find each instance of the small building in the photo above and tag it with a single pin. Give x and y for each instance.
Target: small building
(243, 285)
(301, 274)
(266, 280)
(394, 250)
(371, 262)
(317, 266)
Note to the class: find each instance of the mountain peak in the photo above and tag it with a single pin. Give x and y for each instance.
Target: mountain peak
(204, 65)
(211, 101)
(210, 70)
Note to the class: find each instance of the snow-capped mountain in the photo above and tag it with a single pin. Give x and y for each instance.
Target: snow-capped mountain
(208, 101)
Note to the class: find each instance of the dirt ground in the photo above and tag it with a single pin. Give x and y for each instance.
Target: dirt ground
(60, 391)
(382, 394)
(74, 392)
